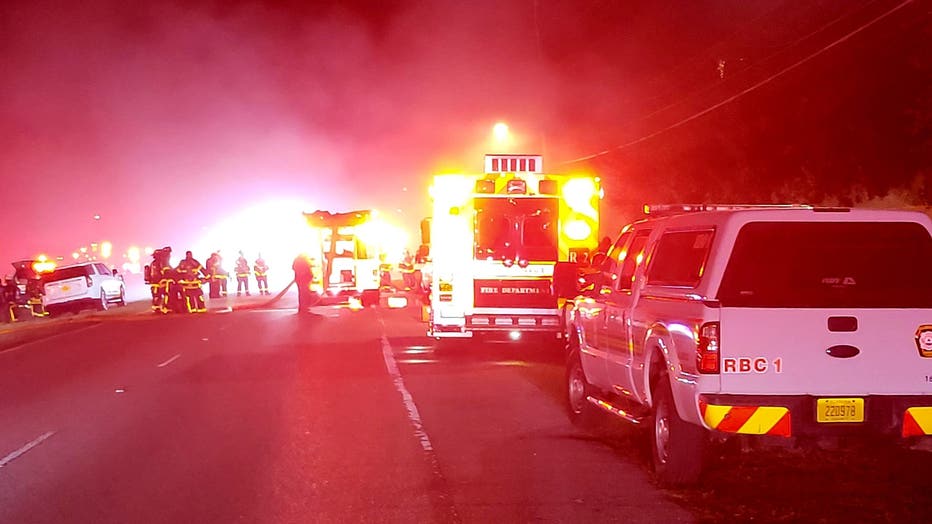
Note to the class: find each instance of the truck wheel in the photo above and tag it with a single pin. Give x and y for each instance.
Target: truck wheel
(581, 412)
(677, 446)
(103, 305)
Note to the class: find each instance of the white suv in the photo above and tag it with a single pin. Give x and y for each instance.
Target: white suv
(781, 322)
(79, 286)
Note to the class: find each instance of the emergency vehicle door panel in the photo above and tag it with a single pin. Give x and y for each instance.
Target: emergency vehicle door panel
(589, 314)
(823, 351)
(615, 294)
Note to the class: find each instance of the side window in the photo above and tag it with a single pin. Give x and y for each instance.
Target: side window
(89, 270)
(101, 269)
(632, 258)
(680, 258)
(615, 255)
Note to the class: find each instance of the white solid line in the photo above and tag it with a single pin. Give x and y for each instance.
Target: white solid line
(19, 452)
(406, 397)
(169, 361)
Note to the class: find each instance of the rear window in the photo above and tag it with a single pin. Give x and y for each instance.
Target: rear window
(680, 258)
(829, 265)
(67, 272)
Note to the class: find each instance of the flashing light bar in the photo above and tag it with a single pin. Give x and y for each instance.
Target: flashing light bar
(514, 164)
(663, 209)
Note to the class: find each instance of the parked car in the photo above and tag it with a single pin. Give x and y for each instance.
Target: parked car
(81, 286)
(787, 323)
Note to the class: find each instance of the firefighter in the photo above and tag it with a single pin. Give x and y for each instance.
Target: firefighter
(407, 270)
(216, 275)
(156, 278)
(385, 274)
(172, 299)
(10, 299)
(242, 275)
(261, 270)
(34, 298)
(189, 279)
(303, 276)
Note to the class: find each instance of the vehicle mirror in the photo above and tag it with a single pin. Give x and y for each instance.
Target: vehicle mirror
(115, 272)
(566, 279)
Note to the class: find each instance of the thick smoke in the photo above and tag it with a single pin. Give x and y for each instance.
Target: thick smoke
(166, 117)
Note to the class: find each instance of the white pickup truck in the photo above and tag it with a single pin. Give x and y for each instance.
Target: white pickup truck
(788, 321)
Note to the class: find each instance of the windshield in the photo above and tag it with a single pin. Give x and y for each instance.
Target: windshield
(829, 265)
(516, 228)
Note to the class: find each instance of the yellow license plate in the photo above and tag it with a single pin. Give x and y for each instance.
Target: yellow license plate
(840, 410)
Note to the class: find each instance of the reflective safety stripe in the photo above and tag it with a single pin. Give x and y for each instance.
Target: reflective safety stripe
(917, 421)
(748, 420)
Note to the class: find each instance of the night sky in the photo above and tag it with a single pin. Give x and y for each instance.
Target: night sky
(166, 119)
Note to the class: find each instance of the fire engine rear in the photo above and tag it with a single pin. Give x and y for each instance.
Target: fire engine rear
(495, 239)
(344, 260)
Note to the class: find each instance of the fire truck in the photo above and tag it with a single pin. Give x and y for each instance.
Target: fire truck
(495, 238)
(343, 257)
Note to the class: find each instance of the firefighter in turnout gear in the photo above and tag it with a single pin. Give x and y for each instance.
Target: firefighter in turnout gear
(189, 279)
(303, 277)
(217, 276)
(407, 270)
(261, 270)
(385, 274)
(242, 275)
(10, 299)
(156, 278)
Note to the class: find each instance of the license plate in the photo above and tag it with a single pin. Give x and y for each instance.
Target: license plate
(840, 410)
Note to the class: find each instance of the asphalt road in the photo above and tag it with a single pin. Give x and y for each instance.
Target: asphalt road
(256, 414)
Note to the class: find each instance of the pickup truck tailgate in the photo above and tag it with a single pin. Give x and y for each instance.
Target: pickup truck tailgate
(789, 351)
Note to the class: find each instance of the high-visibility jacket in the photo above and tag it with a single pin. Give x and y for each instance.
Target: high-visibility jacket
(242, 267)
(260, 268)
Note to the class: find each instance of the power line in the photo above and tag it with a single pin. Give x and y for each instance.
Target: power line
(765, 59)
(744, 91)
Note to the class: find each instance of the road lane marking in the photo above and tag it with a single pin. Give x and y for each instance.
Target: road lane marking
(406, 397)
(442, 499)
(22, 451)
(169, 361)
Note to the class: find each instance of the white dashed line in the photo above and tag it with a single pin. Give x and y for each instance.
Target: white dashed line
(169, 361)
(21, 451)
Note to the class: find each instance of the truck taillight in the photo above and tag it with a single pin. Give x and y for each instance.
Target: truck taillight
(707, 349)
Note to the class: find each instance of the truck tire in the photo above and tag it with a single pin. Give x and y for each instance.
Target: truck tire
(677, 447)
(581, 412)
(103, 304)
